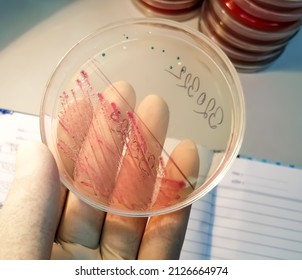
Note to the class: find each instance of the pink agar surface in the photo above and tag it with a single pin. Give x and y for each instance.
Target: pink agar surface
(110, 153)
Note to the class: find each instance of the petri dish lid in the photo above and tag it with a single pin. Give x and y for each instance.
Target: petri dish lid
(237, 40)
(247, 19)
(281, 3)
(172, 5)
(269, 13)
(236, 53)
(210, 111)
(225, 16)
(184, 10)
(253, 67)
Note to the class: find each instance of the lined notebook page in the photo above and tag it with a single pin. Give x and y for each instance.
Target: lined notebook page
(15, 128)
(257, 214)
(197, 244)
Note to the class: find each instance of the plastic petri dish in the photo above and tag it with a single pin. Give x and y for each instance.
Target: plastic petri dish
(281, 3)
(256, 66)
(269, 13)
(172, 5)
(175, 10)
(228, 18)
(235, 39)
(144, 117)
(236, 54)
(248, 19)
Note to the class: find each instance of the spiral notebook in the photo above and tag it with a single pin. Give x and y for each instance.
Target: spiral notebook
(254, 213)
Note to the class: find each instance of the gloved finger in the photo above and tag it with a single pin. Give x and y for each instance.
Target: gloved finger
(136, 182)
(164, 234)
(96, 165)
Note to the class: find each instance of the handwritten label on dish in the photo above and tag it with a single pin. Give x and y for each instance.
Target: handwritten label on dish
(207, 106)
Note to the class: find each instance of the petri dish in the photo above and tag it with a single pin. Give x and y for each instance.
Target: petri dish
(280, 3)
(179, 10)
(248, 19)
(243, 60)
(235, 39)
(269, 13)
(233, 23)
(251, 42)
(144, 117)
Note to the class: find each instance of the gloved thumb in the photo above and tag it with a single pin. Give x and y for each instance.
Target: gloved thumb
(31, 212)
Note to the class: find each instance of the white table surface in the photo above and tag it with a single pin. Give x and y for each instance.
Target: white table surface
(35, 34)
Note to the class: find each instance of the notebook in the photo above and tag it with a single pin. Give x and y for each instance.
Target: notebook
(15, 128)
(254, 213)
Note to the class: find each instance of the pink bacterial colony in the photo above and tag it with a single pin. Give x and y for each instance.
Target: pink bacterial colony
(110, 153)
